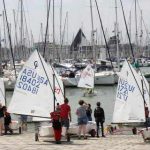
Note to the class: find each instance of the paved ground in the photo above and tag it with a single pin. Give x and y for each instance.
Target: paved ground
(26, 141)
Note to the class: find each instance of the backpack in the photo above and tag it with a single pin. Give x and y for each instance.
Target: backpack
(98, 113)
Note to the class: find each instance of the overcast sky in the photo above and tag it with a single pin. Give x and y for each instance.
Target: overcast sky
(78, 15)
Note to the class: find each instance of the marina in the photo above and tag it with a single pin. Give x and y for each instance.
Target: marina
(76, 75)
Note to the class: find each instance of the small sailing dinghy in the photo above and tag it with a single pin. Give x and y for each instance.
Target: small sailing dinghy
(37, 89)
(131, 97)
(86, 81)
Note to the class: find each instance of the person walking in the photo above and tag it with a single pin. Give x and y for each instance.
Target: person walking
(65, 114)
(99, 118)
(82, 118)
(89, 112)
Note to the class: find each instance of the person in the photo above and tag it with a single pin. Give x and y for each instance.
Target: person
(89, 112)
(7, 122)
(24, 122)
(99, 118)
(82, 118)
(56, 124)
(65, 116)
(1, 119)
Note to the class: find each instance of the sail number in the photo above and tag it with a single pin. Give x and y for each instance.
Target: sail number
(123, 89)
(30, 81)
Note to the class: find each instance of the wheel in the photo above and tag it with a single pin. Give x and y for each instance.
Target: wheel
(93, 133)
(36, 137)
(20, 131)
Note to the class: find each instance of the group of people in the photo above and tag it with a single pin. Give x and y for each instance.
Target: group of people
(61, 118)
(5, 120)
(84, 114)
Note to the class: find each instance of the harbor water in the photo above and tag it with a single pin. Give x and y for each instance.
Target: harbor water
(104, 94)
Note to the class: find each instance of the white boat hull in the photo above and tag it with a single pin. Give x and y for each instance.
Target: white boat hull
(70, 82)
(47, 131)
(105, 78)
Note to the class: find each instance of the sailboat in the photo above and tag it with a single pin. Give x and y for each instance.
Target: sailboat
(37, 89)
(129, 104)
(131, 97)
(87, 81)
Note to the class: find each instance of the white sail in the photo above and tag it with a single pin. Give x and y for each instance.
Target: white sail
(2, 92)
(34, 94)
(87, 78)
(59, 93)
(129, 104)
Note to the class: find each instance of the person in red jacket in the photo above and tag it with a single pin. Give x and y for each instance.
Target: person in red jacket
(56, 123)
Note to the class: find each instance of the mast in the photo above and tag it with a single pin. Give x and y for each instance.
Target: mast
(54, 48)
(117, 36)
(130, 25)
(16, 38)
(9, 37)
(92, 33)
(60, 53)
(136, 30)
(21, 27)
(141, 34)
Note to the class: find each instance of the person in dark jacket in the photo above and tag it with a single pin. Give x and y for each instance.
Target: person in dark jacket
(7, 122)
(99, 118)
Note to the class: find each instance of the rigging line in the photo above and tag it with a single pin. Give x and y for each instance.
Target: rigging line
(58, 82)
(9, 36)
(129, 39)
(143, 21)
(136, 82)
(47, 23)
(127, 31)
(53, 90)
(107, 47)
(144, 82)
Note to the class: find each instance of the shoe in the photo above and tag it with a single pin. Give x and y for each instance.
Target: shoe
(85, 137)
(58, 142)
(103, 136)
(79, 137)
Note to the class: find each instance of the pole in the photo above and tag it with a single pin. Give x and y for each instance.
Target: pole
(54, 90)
(92, 33)
(54, 30)
(117, 37)
(9, 36)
